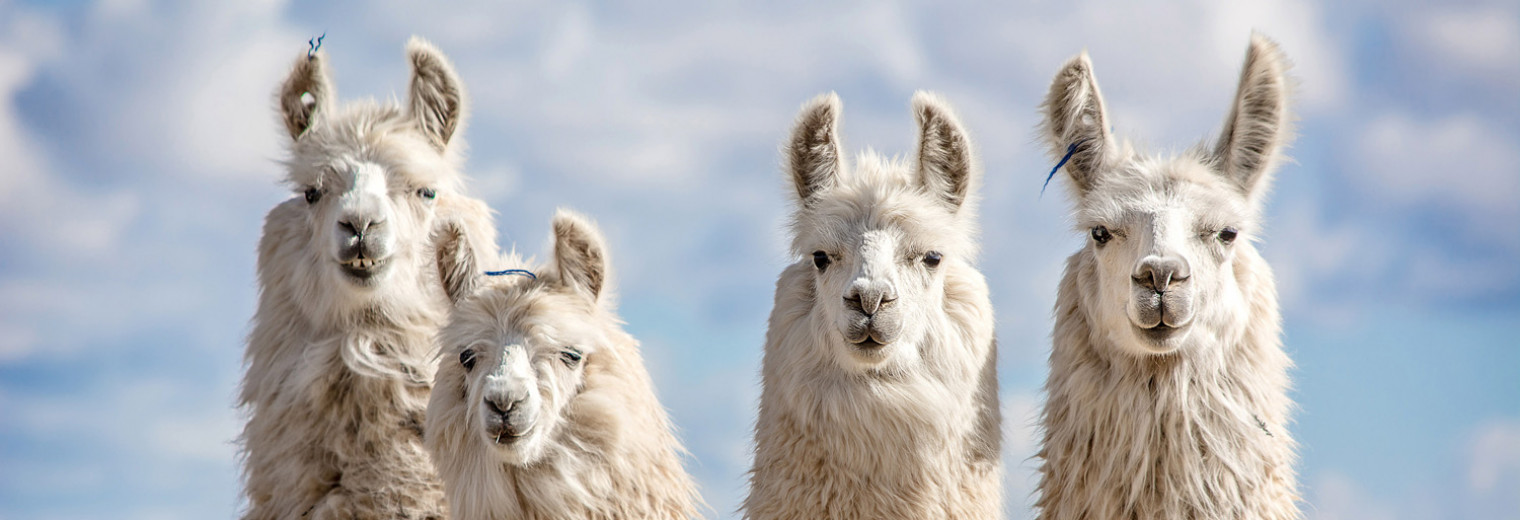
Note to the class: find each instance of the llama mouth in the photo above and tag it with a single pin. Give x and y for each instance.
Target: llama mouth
(504, 437)
(361, 268)
(1161, 332)
(869, 343)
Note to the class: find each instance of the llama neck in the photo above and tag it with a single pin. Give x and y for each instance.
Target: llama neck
(1200, 433)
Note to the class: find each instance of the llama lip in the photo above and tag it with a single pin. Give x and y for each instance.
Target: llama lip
(505, 436)
(1161, 332)
(869, 343)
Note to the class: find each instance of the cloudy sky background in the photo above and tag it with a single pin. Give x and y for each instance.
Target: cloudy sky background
(139, 149)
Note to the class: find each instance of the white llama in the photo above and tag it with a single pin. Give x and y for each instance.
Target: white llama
(541, 407)
(1167, 391)
(880, 385)
(349, 300)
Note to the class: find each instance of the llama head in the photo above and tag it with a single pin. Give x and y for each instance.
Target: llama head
(371, 175)
(516, 351)
(1164, 232)
(881, 235)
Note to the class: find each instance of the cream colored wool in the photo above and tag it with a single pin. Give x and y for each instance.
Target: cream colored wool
(337, 363)
(542, 407)
(1169, 404)
(892, 415)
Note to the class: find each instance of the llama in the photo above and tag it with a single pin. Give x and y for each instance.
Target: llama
(879, 379)
(349, 300)
(542, 408)
(1167, 395)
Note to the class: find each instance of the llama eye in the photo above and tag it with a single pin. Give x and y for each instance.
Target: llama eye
(1227, 235)
(1101, 235)
(427, 193)
(570, 357)
(467, 358)
(820, 259)
(932, 258)
(313, 195)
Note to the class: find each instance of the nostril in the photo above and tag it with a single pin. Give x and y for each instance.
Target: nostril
(497, 409)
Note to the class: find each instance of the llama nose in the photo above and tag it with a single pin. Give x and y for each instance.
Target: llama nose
(357, 226)
(1159, 273)
(869, 300)
(502, 404)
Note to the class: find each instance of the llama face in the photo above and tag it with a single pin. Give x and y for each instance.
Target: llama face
(521, 372)
(1163, 232)
(879, 236)
(1164, 240)
(367, 176)
(367, 216)
(516, 350)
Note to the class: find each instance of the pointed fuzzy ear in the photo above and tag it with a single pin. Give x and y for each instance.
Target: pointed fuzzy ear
(306, 94)
(437, 96)
(456, 262)
(580, 253)
(1257, 127)
(1076, 123)
(812, 154)
(946, 162)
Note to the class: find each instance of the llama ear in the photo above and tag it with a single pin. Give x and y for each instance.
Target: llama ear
(580, 253)
(946, 164)
(306, 94)
(437, 96)
(456, 262)
(812, 153)
(1255, 131)
(1076, 124)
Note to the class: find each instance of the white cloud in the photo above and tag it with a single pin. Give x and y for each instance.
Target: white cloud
(1493, 471)
(1336, 496)
(1460, 163)
(1478, 40)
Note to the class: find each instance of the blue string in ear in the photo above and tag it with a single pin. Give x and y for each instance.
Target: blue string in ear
(519, 272)
(316, 44)
(1070, 149)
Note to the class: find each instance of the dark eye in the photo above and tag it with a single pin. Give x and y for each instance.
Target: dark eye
(1101, 235)
(427, 193)
(1228, 235)
(820, 259)
(313, 195)
(570, 356)
(467, 358)
(932, 258)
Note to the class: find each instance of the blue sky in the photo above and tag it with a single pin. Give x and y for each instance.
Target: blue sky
(139, 149)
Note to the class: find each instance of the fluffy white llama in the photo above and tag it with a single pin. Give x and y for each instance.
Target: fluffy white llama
(1167, 391)
(349, 300)
(541, 407)
(880, 386)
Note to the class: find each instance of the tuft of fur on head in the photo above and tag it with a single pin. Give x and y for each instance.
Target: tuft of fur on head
(1167, 392)
(542, 407)
(349, 300)
(881, 338)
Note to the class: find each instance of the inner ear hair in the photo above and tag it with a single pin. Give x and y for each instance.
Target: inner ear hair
(437, 95)
(308, 77)
(946, 160)
(1257, 126)
(580, 253)
(813, 151)
(1076, 123)
(456, 262)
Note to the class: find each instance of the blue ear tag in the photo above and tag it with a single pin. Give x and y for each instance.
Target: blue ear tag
(315, 43)
(519, 272)
(1071, 149)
